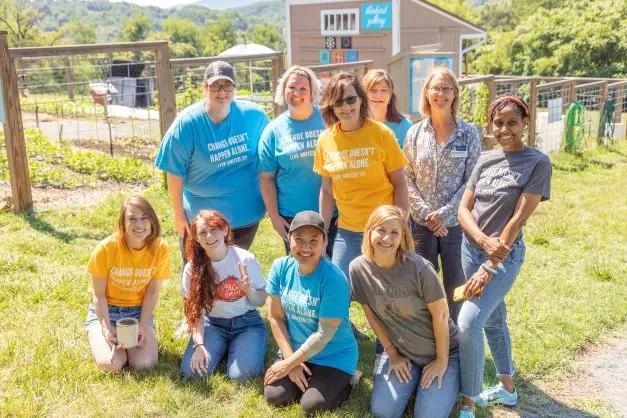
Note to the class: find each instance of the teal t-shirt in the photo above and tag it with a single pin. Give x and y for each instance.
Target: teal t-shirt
(286, 149)
(324, 293)
(400, 129)
(217, 161)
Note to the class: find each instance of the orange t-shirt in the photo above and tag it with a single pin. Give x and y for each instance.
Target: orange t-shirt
(128, 271)
(358, 163)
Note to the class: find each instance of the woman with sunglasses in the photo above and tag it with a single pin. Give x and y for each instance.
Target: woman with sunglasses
(288, 184)
(383, 103)
(361, 165)
(210, 156)
(442, 151)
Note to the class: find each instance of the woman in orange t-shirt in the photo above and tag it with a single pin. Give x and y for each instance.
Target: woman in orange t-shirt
(127, 269)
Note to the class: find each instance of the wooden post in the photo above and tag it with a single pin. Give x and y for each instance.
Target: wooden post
(570, 95)
(491, 84)
(602, 95)
(275, 74)
(69, 77)
(533, 109)
(165, 87)
(14, 132)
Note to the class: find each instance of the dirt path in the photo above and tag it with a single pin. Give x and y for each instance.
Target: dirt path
(597, 388)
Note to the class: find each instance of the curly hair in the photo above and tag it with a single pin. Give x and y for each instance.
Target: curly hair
(203, 277)
(502, 102)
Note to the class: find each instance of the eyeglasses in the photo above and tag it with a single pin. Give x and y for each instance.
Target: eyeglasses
(217, 87)
(350, 100)
(445, 90)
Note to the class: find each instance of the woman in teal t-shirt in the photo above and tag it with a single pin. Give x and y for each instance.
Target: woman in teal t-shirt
(287, 180)
(308, 314)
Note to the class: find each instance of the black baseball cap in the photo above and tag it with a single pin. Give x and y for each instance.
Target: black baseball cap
(219, 70)
(308, 218)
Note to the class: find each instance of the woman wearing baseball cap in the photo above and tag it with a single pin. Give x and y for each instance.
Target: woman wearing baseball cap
(308, 304)
(210, 156)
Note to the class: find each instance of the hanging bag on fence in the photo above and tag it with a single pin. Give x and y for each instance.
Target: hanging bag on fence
(573, 133)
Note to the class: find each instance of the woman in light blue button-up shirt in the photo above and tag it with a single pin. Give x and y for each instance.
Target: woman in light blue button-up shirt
(442, 151)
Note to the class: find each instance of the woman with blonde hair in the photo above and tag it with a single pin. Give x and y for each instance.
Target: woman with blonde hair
(127, 270)
(383, 103)
(361, 166)
(288, 183)
(442, 151)
(406, 307)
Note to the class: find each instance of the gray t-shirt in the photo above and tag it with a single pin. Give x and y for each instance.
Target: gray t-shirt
(498, 180)
(398, 296)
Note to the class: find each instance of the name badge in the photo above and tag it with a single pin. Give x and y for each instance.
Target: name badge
(460, 151)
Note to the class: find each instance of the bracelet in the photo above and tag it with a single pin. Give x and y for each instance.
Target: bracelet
(488, 269)
(198, 345)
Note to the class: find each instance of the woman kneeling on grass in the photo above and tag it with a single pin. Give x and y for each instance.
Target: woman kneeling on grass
(222, 286)
(127, 270)
(502, 193)
(308, 306)
(406, 307)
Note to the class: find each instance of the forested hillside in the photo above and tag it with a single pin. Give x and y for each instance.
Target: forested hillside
(535, 37)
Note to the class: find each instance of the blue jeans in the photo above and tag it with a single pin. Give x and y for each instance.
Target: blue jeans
(449, 249)
(390, 396)
(346, 248)
(487, 313)
(115, 313)
(243, 339)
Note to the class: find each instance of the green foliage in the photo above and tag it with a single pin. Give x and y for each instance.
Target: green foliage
(137, 28)
(474, 103)
(60, 166)
(191, 93)
(578, 38)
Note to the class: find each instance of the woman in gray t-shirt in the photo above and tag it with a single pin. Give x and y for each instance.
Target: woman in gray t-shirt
(502, 193)
(405, 305)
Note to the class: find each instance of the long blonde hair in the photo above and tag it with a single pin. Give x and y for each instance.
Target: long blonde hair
(377, 217)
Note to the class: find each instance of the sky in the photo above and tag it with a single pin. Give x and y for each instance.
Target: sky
(160, 3)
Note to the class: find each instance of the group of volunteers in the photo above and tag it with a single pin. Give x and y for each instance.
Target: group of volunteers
(369, 207)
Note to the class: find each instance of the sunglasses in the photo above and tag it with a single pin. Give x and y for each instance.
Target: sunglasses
(351, 100)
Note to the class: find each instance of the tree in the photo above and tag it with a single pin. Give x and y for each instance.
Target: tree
(268, 35)
(19, 19)
(218, 36)
(136, 28)
(582, 38)
(184, 36)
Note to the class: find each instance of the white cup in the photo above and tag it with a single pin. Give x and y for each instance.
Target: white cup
(128, 332)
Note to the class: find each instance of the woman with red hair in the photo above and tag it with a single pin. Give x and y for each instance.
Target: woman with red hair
(222, 286)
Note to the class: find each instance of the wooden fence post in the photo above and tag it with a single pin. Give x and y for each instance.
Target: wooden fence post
(533, 109)
(69, 77)
(275, 74)
(165, 87)
(14, 132)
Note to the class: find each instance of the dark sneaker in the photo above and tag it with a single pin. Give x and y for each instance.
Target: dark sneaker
(497, 395)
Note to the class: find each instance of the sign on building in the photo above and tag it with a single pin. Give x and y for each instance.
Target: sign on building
(376, 16)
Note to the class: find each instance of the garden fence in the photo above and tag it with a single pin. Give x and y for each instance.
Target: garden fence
(85, 120)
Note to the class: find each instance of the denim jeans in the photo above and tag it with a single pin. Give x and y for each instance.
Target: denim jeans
(390, 396)
(115, 313)
(486, 313)
(243, 339)
(449, 249)
(346, 248)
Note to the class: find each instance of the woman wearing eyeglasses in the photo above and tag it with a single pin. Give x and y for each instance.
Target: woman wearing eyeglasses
(442, 151)
(361, 165)
(210, 156)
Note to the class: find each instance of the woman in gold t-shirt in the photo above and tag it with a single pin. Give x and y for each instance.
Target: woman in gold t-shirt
(127, 269)
(361, 165)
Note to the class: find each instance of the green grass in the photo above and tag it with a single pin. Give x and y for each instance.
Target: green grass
(571, 292)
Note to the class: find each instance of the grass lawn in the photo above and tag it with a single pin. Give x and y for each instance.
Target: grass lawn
(572, 291)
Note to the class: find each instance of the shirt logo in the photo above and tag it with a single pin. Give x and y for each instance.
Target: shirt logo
(228, 290)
